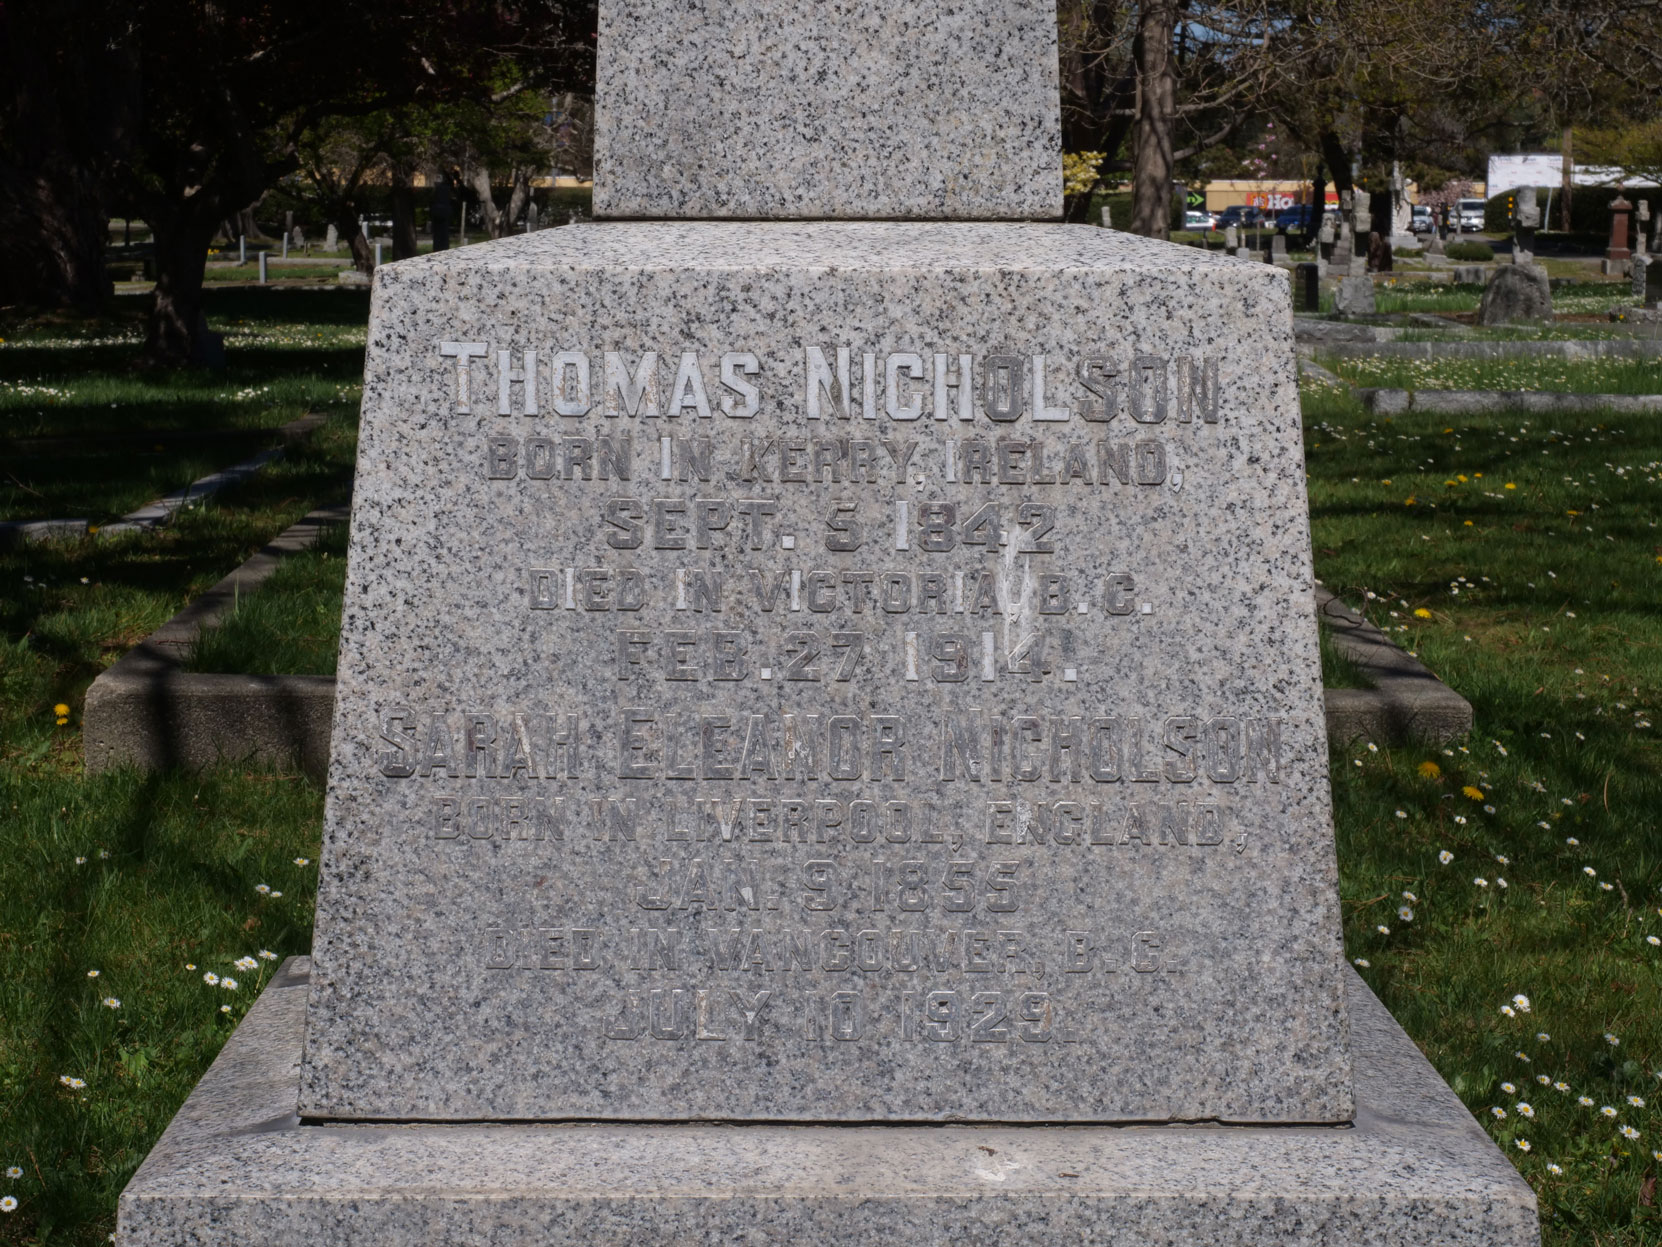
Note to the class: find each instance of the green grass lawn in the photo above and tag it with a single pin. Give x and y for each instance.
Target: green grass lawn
(86, 433)
(1518, 557)
(1583, 298)
(1521, 560)
(276, 271)
(149, 881)
(1522, 372)
(291, 626)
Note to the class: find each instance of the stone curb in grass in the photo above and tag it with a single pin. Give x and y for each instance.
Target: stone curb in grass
(1406, 702)
(1390, 402)
(1556, 348)
(154, 514)
(146, 712)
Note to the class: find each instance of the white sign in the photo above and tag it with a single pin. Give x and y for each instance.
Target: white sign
(1508, 173)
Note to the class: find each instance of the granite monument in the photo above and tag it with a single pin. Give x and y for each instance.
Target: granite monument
(853, 682)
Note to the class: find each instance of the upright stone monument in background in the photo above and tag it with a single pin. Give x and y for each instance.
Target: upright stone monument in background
(829, 735)
(1526, 219)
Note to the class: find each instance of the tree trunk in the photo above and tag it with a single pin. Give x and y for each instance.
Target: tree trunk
(1318, 208)
(1156, 118)
(247, 226)
(346, 225)
(518, 197)
(441, 211)
(403, 212)
(177, 332)
(481, 178)
(1337, 159)
(1380, 204)
(52, 234)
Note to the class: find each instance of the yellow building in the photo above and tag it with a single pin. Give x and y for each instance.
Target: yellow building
(1272, 196)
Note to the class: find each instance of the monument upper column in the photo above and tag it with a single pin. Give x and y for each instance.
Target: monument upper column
(852, 109)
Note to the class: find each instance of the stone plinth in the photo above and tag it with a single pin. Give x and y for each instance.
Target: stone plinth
(889, 691)
(866, 108)
(237, 1169)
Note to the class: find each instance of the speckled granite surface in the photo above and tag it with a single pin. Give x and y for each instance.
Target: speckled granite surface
(770, 726)
(235, 1169)
(862, 108)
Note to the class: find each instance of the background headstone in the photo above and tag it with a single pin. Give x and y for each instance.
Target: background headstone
(1517, 292)
(1618, 251)
(1361, 240)
(1106, 217)
(531, 217)
(1639, 276)
(1526, 220)
(1354, 295)
(331, 238)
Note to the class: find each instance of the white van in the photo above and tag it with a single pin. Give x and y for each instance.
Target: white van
(1471, 215)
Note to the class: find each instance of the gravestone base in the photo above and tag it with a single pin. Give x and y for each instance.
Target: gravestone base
(237, 1167)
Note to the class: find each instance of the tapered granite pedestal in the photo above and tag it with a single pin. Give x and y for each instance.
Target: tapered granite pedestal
(237, 1167)
(829, 741)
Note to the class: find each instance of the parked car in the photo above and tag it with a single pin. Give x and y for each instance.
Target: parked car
(1421, 223)
(1297, 219)
(1242, 215)
(1197, 219)
(1470, 215)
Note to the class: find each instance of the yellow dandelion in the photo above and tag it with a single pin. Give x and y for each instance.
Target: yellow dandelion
(1430, 770)
(1422, 613)
(1476, 794)
(60, 709)
(1510, 485)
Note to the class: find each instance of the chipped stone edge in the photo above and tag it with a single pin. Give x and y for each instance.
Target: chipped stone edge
(1406, 702)
(146, 712)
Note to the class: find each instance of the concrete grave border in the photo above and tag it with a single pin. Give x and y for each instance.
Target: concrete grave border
(154, 514)
(1550, 348)
(1406, 702)
(147, 712)
(1389, 402)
